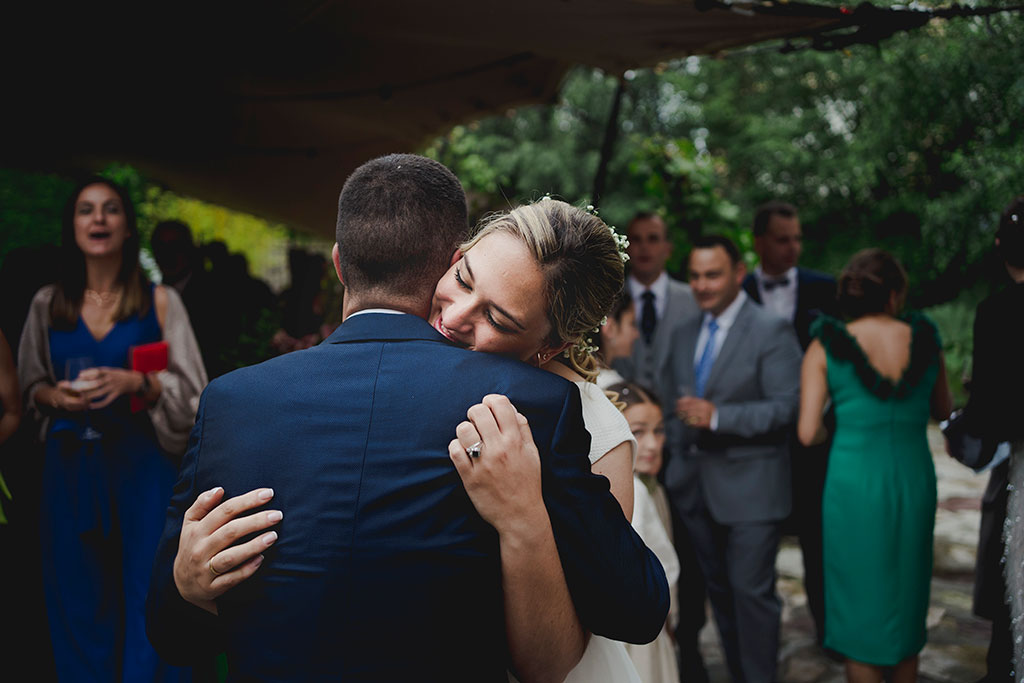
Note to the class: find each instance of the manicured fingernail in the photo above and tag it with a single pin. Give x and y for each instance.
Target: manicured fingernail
(269, 538)
(266, 494)
(275, 516)
(259, 560)
(214, 491)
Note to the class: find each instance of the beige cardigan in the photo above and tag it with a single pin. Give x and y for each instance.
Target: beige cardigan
(183, 381)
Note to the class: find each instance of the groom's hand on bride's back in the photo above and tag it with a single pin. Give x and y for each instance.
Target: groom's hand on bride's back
(207, 563)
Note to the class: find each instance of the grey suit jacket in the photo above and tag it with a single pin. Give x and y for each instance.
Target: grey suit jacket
(648, 360)
(740, 472)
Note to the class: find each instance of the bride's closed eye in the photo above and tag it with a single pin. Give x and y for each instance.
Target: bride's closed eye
(490, 318)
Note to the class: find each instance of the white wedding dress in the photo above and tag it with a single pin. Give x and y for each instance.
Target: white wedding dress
(604, 660)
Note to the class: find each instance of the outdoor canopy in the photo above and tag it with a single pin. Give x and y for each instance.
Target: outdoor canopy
(266, 107)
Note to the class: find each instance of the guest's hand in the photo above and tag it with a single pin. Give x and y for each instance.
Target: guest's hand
(207, 564)
(63, 397)
(108, 384)
(504, 482)
(696, 412)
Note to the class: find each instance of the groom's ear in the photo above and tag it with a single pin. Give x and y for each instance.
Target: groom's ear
(336, 257)
(455, 258)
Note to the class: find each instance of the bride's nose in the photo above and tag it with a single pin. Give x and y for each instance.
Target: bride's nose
(458, 316)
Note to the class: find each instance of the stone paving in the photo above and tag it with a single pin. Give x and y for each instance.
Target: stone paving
(957, 640)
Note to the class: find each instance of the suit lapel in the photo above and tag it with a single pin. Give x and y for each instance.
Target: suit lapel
(689, 348)
(750, 286)
(733, 343)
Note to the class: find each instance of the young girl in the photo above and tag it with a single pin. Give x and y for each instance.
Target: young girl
(652, 520)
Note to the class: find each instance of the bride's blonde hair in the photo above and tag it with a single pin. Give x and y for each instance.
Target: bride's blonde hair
(583, 270)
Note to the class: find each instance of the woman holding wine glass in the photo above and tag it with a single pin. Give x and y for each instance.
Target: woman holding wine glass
(112, 435)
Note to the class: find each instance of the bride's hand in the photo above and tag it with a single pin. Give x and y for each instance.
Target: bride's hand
(207, 564)
(504, 482)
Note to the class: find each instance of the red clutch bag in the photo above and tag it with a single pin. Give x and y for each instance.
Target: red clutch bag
(146, 358)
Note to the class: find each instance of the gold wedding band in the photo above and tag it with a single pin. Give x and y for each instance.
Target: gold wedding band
(689, 421)
(212, 570)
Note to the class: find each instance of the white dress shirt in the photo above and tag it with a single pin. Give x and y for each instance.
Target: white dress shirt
(660, 290)
(781, 299)
(725, 321)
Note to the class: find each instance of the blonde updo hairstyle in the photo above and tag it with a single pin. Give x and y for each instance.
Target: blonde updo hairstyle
(582, 268)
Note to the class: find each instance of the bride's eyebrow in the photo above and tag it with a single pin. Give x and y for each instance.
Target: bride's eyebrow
(499, 309)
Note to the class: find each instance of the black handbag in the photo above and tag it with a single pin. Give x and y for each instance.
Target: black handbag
(967, 449)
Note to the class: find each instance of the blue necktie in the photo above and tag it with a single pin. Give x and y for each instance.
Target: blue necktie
(707, 359)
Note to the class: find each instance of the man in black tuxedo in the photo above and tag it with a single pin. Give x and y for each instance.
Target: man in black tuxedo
(384, 570)
(800, 296)
(994, 413)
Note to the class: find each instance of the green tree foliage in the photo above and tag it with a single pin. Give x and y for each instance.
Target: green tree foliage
(914, 145)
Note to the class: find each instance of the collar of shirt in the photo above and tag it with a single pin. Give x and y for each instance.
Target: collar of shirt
(781, 299)
(725, 321)
(660, 289)
(790, 277)
(389, 311)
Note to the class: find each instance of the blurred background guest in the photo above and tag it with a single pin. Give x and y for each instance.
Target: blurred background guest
(800, 296)
(732, 376)
(10, 397)
(181, 266)
(659, 301)
(652, 519)
(994, 413)
(108, 470)
(884, 376)
(615, 339)
(660, 304)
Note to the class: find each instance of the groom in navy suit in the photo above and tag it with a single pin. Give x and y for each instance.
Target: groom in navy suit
(383, 570)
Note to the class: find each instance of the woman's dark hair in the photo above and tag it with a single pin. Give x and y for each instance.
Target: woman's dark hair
(1011, 233)
(66, 304)
(629, 394)
(868, 282)
(623, 303)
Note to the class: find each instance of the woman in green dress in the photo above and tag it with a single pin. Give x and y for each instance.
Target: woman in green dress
(884, 376)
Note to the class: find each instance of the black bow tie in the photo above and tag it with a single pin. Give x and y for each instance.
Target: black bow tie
(769, 285)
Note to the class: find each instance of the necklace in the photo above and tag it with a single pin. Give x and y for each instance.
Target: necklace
(103, 299)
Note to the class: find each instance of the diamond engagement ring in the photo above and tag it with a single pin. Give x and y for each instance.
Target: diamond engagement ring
(474, 450)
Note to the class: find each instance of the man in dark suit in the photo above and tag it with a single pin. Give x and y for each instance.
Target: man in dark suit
(994, 413)
(383, 570)
(734, 379)
(800, 296)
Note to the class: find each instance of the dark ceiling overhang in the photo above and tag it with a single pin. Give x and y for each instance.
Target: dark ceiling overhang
(266, 107)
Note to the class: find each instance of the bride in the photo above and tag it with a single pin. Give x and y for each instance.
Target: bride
(533, 284)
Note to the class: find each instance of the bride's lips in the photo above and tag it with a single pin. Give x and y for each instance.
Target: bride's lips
(439, 326)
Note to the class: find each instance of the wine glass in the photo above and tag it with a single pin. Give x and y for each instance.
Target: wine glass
(73, 369)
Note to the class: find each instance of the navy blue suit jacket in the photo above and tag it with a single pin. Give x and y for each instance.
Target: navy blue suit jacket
(383, 570)
(815, 296)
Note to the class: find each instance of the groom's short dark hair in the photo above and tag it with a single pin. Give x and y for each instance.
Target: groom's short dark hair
(400, 218)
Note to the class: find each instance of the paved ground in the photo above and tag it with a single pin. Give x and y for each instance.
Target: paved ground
(957, 640)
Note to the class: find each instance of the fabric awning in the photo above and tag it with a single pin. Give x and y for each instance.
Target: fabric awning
(266, 107)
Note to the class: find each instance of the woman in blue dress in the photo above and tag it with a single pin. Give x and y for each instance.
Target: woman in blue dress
(109, 468)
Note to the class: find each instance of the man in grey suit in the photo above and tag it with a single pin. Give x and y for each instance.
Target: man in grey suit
(660, 302)
(733, 375)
